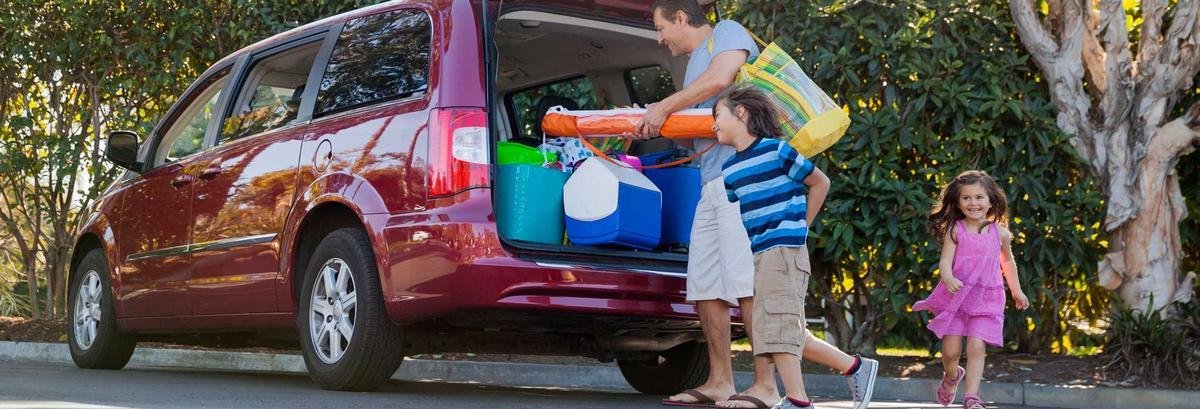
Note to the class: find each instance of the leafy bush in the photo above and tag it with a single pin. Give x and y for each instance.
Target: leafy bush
(935, 88)
(1159, 350)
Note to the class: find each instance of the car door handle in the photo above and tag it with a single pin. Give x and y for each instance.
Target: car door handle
(210, 172)
(182, 180)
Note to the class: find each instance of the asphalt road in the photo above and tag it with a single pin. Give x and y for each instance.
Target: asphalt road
(50, 385)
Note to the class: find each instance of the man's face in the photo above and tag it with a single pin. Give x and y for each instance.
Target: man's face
(671, 32)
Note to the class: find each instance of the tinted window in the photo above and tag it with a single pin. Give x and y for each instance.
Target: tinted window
(271, 95)
(185, 136)
(376, 58)
(650, 84)
(578, 89)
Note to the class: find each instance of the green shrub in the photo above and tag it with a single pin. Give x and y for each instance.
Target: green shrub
(935, 88)
(1158, 350)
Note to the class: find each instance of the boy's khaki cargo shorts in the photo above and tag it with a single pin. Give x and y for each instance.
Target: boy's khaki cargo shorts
(780, 286)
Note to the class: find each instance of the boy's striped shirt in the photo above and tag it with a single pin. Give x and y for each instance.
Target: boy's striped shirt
(768, 179)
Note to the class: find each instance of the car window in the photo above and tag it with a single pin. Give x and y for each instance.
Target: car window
(649, 84)
(578, 89)
(185, 136)
(377, 58)
(271, 94)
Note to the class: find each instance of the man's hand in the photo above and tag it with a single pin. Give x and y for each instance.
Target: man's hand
(652, 121)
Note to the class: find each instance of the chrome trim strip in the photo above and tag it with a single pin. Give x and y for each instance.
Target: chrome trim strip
(228, 243)
(208, 245)
(635, 270)
(164, 252)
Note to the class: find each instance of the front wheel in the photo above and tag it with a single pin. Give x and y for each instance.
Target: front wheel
(95, 340)
(672, 371)
(349, 343)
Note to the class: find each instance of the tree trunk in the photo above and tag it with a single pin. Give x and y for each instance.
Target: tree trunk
(1120, 127)
(29, 263)
(1145, 252)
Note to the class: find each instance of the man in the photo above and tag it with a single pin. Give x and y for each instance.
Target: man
(720, 263)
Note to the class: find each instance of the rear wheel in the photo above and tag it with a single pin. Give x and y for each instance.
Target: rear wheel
(95, 340)
(668, 372)
(347, 339)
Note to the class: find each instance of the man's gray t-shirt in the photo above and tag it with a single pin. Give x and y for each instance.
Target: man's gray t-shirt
(727, 35)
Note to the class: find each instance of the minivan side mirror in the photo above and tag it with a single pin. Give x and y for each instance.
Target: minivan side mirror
(123, 149)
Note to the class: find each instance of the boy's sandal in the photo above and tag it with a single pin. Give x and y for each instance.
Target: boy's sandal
(945, 393)
(758, 403)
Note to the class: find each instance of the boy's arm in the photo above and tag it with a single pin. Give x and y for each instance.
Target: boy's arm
(1009, 265)
(818, 188)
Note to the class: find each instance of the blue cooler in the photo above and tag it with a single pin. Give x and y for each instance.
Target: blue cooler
(680, 187)
(529, 203)
(612, 205)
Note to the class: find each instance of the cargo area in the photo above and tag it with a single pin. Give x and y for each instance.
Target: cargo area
(556, 199)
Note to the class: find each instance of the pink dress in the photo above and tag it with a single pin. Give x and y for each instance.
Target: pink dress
(977, 310)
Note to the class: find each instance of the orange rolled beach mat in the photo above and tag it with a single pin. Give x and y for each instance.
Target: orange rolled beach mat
(688, 123)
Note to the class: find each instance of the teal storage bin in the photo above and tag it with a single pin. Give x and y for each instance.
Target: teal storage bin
(529, 203)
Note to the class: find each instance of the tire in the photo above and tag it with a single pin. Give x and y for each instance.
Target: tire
(671, 371)
(92, 333)
(374, 348)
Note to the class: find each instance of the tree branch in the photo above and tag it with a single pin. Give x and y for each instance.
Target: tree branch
(1034, 34)
(1118, 87)
(1150, 39)
(1062, 67)
(1093, 54)
(1180, 55)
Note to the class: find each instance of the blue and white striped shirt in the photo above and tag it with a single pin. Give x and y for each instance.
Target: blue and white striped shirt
(768, 179)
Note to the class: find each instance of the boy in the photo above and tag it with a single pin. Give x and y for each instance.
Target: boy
(780, 193)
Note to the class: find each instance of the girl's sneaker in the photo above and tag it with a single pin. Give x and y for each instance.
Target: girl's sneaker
(973, 402)
(946, 389)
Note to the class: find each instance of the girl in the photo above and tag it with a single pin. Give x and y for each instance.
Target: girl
(969, 221)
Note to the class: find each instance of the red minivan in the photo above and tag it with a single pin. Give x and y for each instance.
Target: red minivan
(348, 163)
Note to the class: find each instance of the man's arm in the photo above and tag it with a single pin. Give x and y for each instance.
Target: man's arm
(719, 76)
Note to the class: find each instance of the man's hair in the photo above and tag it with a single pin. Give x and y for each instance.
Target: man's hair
(691, 8)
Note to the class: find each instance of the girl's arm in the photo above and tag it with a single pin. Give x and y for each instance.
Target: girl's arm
(1009, 266)
(946, 265)
(818, 188)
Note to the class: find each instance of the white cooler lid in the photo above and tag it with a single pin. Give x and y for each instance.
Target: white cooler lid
(591, 192)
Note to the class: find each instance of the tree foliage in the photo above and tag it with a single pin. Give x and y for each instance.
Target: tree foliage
(935, 88)
(74, 70)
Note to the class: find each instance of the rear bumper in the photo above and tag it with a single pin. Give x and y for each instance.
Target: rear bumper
(450, 259)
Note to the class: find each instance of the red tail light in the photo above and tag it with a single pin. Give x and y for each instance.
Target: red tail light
(458, 150)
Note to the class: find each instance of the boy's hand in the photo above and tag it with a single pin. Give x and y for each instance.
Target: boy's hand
(1020, 300)
(952, 284)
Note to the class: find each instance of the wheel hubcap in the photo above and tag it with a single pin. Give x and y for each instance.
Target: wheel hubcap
(86, 315)
(331, 316)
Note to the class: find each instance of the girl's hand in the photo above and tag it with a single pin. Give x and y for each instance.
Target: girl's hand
(952, 284)
(1020, 300)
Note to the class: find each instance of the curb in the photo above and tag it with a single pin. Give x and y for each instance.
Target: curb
(609, 379)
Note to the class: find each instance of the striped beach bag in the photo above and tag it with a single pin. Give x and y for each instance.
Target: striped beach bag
(810, 121)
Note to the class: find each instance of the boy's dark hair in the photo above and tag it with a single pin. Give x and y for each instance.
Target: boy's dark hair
(764, 115)
(691, 8)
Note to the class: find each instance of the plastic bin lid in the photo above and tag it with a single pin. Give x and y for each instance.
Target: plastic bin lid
(591, 192)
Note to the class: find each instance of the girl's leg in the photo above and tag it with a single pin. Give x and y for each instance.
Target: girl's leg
(976, 351)
(952, 346)
(951, 354)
